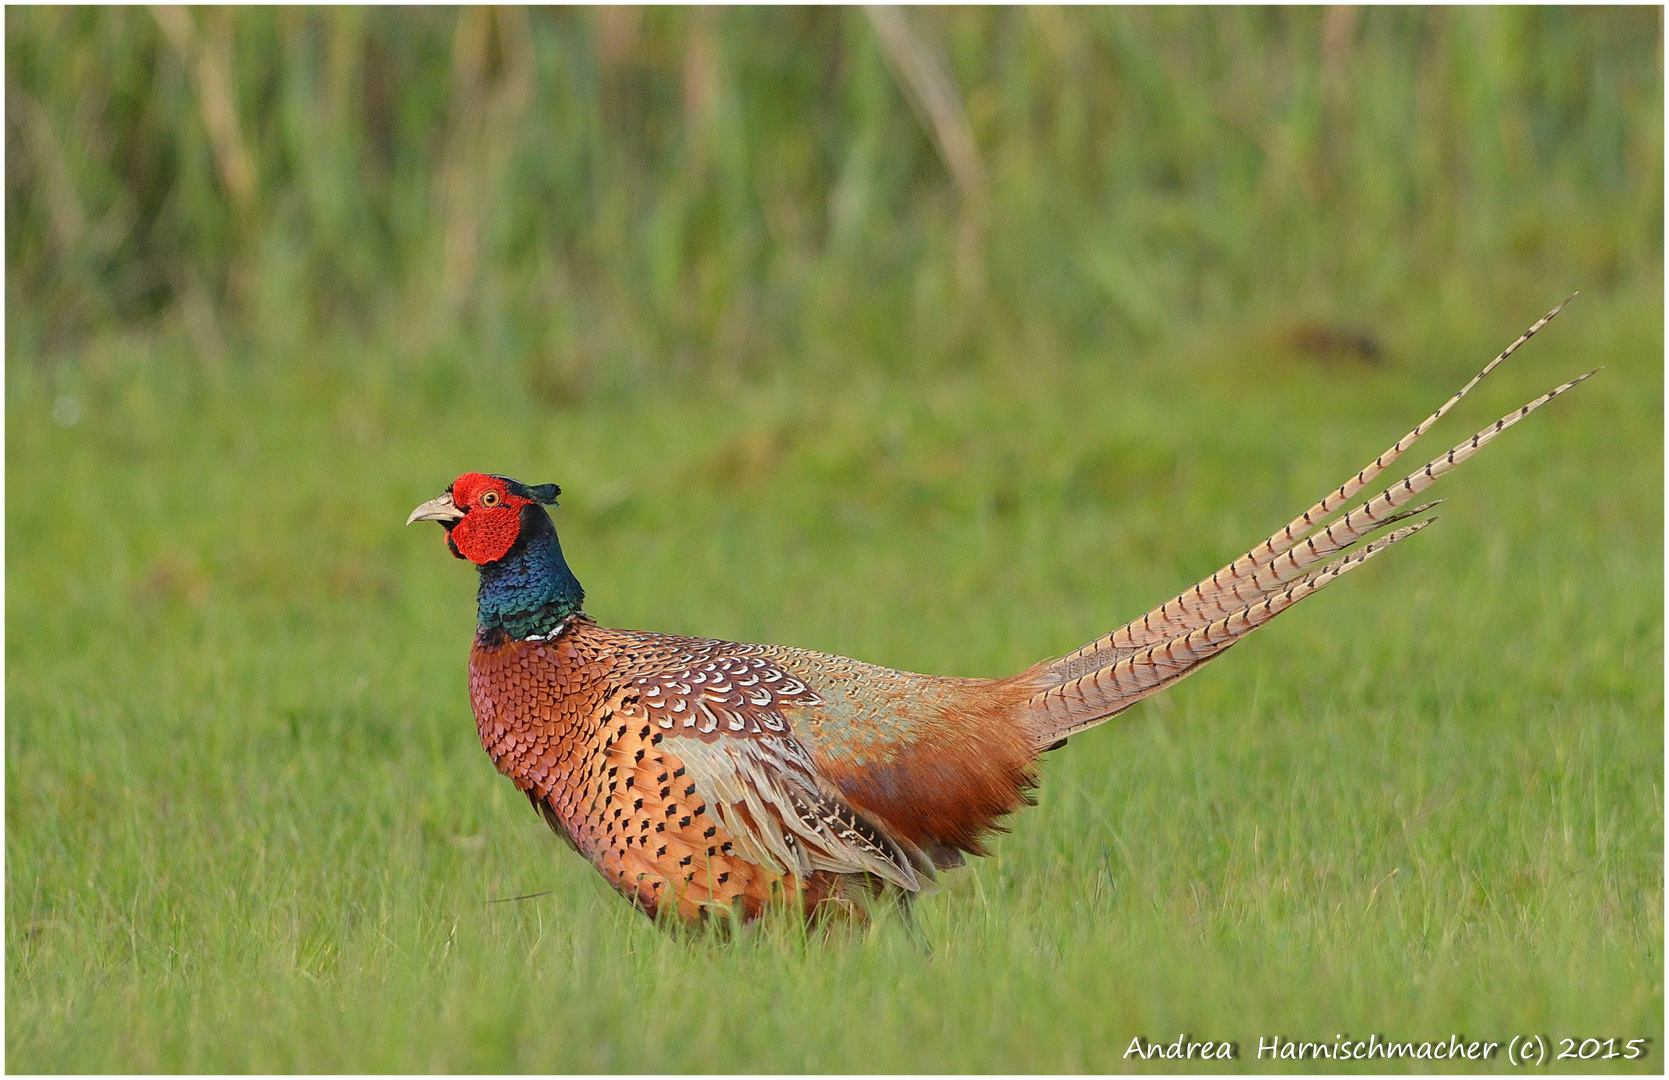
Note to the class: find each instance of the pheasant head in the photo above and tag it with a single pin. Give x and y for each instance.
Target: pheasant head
(483, 514)
(501, 526)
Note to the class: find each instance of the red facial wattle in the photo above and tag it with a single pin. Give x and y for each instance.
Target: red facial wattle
(491, 521)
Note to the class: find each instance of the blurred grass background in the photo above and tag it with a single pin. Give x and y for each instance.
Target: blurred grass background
(943, 338)
(583, 200)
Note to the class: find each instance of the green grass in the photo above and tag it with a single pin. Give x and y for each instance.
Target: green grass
(249, 826)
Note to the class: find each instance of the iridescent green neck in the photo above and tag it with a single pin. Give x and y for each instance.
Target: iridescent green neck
(530, 591)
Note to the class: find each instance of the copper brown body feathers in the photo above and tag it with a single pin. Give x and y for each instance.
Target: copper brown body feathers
(710, 775)
(702, 775)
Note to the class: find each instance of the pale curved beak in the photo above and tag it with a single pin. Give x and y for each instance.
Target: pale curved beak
(442, 509)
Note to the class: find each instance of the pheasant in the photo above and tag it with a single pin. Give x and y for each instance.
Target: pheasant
(703, 776)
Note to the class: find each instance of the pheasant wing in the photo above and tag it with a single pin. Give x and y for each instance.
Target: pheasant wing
(722, 719)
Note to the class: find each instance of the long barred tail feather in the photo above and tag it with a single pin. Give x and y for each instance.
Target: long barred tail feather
(1370, 516)
(1087, 700)
(1312, 518)
(1188, 607)
(1269, 578)
(1204, 600)
(1366, 519)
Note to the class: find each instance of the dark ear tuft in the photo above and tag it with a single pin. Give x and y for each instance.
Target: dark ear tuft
(539, 493)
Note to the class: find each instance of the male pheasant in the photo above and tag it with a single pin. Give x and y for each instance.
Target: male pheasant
(702, 775)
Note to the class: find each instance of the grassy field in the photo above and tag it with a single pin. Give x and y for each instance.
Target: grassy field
(806, 376)
(249, 826)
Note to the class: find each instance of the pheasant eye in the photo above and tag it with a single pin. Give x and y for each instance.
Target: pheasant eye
(489, 499)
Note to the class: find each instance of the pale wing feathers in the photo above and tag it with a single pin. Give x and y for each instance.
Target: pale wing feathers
(766, 795)
(1089, 699)
(1231, 587)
